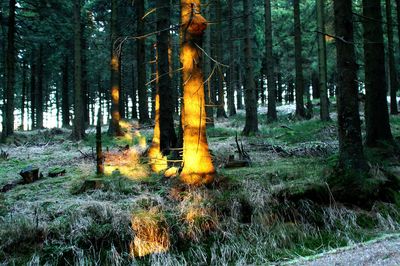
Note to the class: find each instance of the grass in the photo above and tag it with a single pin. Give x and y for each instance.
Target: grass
(238, 221)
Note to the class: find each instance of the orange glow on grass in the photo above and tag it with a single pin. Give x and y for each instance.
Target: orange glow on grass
(126, 163)
(197, 164)
(151, 233)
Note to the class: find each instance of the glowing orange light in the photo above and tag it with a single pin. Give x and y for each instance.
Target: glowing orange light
(115, 62)
(197, 164)
(151, 233)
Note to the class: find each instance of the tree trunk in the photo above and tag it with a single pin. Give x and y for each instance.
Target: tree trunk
(300, 112)
(251, 126)
(322, 61)
(280, 89)
(167, 129)
(24, 90)
(207, 71)
(8, 118)
(350, 143)
(65, 93)
(39, 91)
(33, 90)
(392, 64)
(197, 164)
(141, 66)
(85, 88)
(78, 131)
(114, 127)
(232, 66)
(270, 65)
(376, 107)
(219, 57)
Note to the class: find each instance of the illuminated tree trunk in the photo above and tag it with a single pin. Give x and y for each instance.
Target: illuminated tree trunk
(78, 131)
(392, 64)
(114, 128)
(270, 64)
(197, 164)
(322, 61)
(141, 65)
(250, 96)
(8, 117)
(300, 112)
(376, 107)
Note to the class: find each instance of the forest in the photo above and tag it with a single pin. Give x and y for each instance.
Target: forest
(199, 132)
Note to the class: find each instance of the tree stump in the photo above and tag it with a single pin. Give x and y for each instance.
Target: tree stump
(30, 174)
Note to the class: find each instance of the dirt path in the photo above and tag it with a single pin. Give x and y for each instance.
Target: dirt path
(383, 251)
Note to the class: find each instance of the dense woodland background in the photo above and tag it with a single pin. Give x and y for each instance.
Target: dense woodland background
(310, 85)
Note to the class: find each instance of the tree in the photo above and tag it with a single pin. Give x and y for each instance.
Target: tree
(350, 144)
(141, 65)
(78, 131)
(251, 125)
(231, 84)
(219, 57)
(114, 128)
(270, 64)
(322, 65)
(376, 107)
(65, 92)
(197, 164)
(392, 64)
(167, 129)
(8, 128)
(299, 85)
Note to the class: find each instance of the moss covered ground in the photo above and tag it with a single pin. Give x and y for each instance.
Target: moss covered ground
(246, 217)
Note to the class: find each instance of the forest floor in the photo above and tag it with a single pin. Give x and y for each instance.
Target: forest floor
(251, 215)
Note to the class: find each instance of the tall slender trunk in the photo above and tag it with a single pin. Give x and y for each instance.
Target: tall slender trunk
(280, 89)
(8, 118)
(39, 90)
(376, 107)
(65, 93)
(141, 66)
(220, 71)
(167, 130)
(394, 84)
(33, 90)
(231, 71)
(114, 127)
(85, 87)
(208, 72)
(300, 112)
(78, 131)
(134, 91)
(24, 92)
(322, 61)
(239, 81)
(270, 64)
(197, 163)
(250, 97)
(350, 143)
